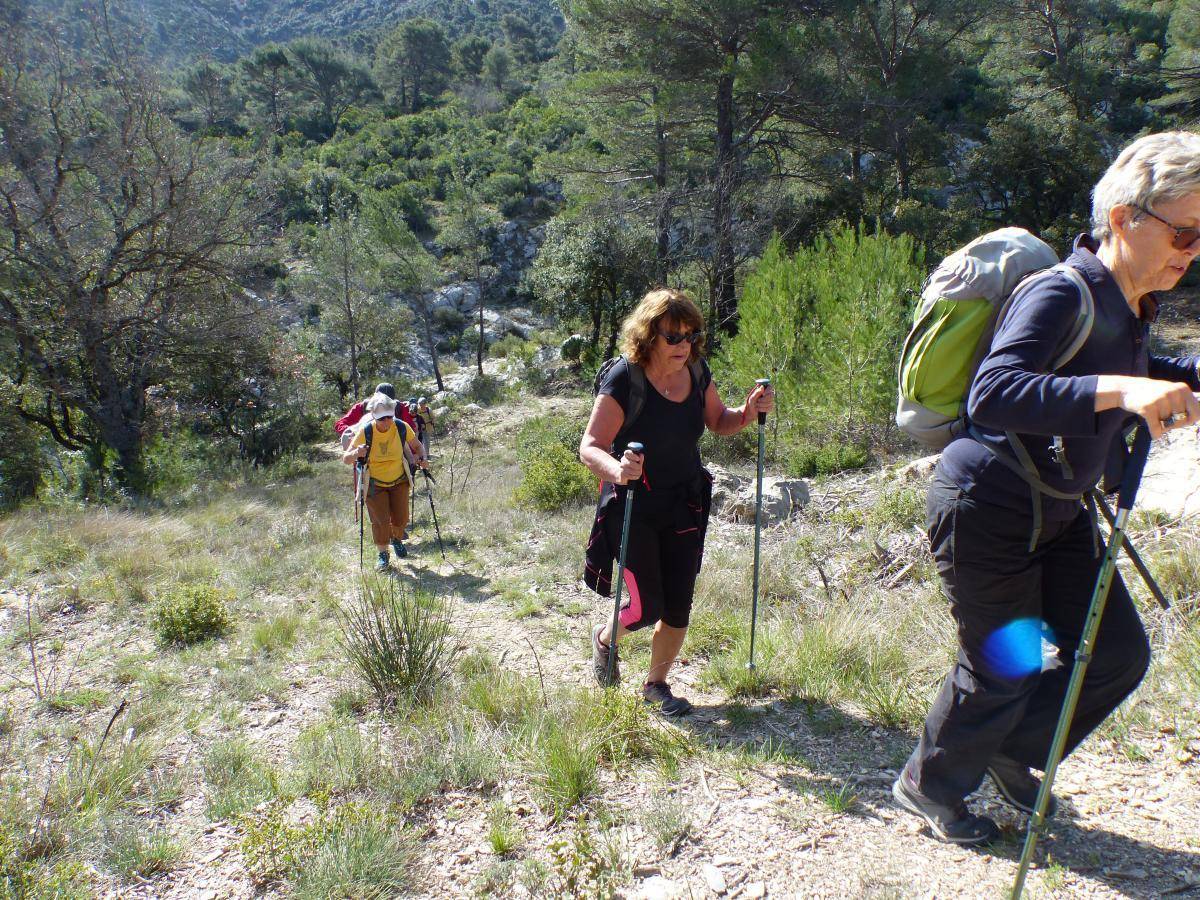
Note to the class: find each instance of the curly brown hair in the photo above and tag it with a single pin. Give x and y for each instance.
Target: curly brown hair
(662, 306)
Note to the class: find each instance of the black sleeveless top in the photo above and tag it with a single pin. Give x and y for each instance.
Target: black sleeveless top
(669, 431)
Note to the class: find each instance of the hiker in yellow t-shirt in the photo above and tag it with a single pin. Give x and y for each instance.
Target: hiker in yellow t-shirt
(381, 443)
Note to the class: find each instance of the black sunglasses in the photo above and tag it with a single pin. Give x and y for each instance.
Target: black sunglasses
(676, 339)
(1184, 237)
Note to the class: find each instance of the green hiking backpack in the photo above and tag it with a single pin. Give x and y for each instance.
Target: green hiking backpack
(962, 304)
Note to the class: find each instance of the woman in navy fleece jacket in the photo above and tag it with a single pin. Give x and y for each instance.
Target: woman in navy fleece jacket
(1013, 576)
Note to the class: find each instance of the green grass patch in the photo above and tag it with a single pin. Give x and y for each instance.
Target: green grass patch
(352, 850)
(238, 779)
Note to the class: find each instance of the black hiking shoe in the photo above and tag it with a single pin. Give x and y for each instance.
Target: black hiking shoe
(659, 692)
(399, 549)
(952, 824)
(1018, 785)
(600, 654)
(383, 564)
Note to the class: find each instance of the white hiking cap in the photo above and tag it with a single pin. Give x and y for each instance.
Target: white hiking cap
(381, 406)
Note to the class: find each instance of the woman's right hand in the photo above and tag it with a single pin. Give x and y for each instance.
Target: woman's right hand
(1163, 405)
(629, 468)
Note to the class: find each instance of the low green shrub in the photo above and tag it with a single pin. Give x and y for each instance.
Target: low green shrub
(485, 390)
(189, 613)
(552, 476)
(508, 345)
(554, 479)
(898, 508)
(808, 460)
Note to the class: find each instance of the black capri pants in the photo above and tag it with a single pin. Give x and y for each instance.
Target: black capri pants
(662, 558)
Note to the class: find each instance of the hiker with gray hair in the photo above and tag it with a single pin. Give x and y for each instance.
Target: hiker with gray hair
(1016, 549)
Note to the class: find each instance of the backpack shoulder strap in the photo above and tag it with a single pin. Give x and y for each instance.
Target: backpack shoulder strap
(637, 393)
(701, 376)
(1085, 318)
(368, 436)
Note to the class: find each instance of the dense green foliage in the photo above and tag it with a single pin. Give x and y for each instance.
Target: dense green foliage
(824, 323)
(310, 172)
(552, 477)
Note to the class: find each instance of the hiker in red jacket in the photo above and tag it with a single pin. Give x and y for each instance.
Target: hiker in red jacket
(344, 426)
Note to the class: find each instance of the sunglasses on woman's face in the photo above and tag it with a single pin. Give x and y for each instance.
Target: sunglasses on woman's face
(675, 339)
(1184, 238)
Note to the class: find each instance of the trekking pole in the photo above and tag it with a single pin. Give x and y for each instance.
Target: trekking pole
(762, 424)
(634, 447)
(1083, 653)
(432, 509)
(359, 491)
(1134, 556)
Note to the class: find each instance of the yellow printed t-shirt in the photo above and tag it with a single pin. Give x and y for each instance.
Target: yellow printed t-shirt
(386, 462)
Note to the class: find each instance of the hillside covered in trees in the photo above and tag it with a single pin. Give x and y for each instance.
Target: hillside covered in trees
(221, 222)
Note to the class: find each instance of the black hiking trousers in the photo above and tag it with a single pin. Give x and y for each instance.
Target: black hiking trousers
(997, 698)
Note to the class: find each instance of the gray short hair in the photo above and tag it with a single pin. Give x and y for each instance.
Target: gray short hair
(1155, 168)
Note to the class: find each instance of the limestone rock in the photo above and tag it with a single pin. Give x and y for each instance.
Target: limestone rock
(658, 888)
(734, 497)
(714, 879)
(919, 470)
(1171, 482)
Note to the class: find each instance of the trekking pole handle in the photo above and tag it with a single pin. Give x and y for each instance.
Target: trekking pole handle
(639, 449)
(763, 383)
(1132, 478)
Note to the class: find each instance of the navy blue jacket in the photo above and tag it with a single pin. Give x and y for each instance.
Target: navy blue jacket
(1014, 390)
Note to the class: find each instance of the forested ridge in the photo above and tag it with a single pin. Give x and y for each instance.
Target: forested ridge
(212, 236)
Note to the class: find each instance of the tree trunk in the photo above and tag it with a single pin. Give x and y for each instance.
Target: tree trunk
(614, 328)
(662, 217)
(432, 344)
(479, 282)
(725, 183)
(597, 321)
(350, 326)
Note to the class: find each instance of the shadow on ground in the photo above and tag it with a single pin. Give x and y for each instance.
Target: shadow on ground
(822, 752)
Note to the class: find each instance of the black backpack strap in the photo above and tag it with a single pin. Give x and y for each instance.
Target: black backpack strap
(637, 393)
(637, 400)
(368, 436)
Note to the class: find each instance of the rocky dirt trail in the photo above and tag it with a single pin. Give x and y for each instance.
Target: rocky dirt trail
(1128, 830)
(808, 814)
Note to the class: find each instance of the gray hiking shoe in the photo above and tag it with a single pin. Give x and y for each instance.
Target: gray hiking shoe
(659, 693)
(399, 549)
(600, 653)
(1018, 785)
(382, 564)
(952, 824)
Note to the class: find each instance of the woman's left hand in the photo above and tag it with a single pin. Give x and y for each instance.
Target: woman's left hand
(759, 400)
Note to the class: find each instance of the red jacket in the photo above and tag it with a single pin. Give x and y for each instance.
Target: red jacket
(358, 410)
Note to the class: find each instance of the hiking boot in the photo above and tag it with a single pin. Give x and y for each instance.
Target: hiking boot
(399, 549)
(382, 564)
(660, 693)
(952, 824)
(600, 654)
(1018, 785)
